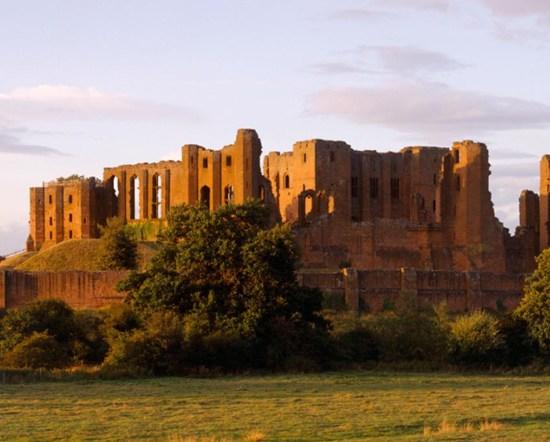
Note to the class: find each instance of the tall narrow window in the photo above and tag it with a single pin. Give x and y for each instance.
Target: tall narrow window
(394, 188)
(70, 217)
(305, 158)
(458, 183)
(374, 187)
(51, 235)
(51, 221)
(228, 160)
(134, 197)
(70, 234)
(457, 156)
(332, 157)
(354, 187)
(287, 181)
(70, 199)
(205, 196)
(261, 192)
(434, 205)
(205, 163)
(228, 195)
(435, 179)
(156, 206)
(247, 164)
(50, 199)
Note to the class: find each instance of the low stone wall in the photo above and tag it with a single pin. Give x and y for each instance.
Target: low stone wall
(368, 289)
(374, 289)
(81, 290)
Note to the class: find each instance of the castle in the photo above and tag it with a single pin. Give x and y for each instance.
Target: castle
(425, 208)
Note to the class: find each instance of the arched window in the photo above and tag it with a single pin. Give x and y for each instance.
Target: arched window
(134, 197)
(286, 181)
(261, 192)
(156, 212)
(205, 196)
(228, 194)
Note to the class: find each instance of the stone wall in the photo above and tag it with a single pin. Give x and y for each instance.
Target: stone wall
(81, 290)
(462, 291)
(367, 289)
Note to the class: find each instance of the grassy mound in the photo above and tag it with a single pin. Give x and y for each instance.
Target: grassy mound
(16, 260)
(80, 255)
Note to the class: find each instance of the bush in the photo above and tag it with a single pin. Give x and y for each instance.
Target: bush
(119, 247)
(357, 346)
(157, 348)
(410, 333)
(520, 347)
(40, 350)
(49, 315)
(476, 339)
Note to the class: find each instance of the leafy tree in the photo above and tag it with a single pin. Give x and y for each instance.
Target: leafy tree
(535, 305)
(73, 177)
(228, 270)
(39, 350)
(119, 248)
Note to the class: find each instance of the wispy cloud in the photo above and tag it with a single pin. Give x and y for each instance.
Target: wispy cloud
(338, 68)
(360, 15)
(68, 103)
(429, 108)
(423, 5)
(11, 144)
(410, 59)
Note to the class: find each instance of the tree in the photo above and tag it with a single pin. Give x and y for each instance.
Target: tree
(119, 248)
(228, 270)
(535, 305)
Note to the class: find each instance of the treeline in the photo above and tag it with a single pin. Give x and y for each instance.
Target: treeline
(221, 294)
(49, 334)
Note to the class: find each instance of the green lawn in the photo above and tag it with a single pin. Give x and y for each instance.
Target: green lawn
(326, 407)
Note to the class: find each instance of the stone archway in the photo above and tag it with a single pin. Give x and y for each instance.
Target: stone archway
(307, 205)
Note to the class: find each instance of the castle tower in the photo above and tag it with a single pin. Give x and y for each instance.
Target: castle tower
(544, 202)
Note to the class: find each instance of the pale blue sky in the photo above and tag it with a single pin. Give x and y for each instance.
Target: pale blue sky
(87, 84)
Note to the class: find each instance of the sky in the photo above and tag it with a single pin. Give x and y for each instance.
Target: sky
(91, 84)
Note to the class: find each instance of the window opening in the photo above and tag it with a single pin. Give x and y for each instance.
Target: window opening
(395, 188)
(228, 194)
(374, 187)
(156, 212)
(228, 160)
(354, 187)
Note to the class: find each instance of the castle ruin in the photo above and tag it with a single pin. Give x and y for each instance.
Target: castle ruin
(425, 208)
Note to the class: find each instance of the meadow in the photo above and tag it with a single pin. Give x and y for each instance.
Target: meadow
(351, 406)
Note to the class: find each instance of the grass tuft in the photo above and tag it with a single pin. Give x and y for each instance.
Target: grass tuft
(488, 425)
(455, 427)
(254, 436)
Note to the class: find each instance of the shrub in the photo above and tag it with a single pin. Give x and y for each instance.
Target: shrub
(410, 333)
(476, 339)
(157, 348)
(358, 345)
(49, 315)
(40, 350)
(119, 247)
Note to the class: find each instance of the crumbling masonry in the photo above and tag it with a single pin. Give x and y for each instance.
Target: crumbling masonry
(426, 208)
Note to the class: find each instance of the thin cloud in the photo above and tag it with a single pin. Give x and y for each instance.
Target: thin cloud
(422, 5)
(508, 154)
(428, 108)
(411, 59)
(514, 8)
(11, 144)
(337, 68)
(360, 15)
(68, 103)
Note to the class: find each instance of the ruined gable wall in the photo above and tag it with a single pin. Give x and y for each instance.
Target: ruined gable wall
(277, 167)
(120, 205)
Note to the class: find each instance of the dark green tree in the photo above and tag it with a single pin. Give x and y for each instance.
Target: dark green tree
(119, 248)
(228, 272)
(535, 305)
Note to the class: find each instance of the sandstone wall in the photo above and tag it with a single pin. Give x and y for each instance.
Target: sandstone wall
(462, 291)
(81, 290)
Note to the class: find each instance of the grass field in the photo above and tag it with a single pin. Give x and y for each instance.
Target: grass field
(326, 407)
